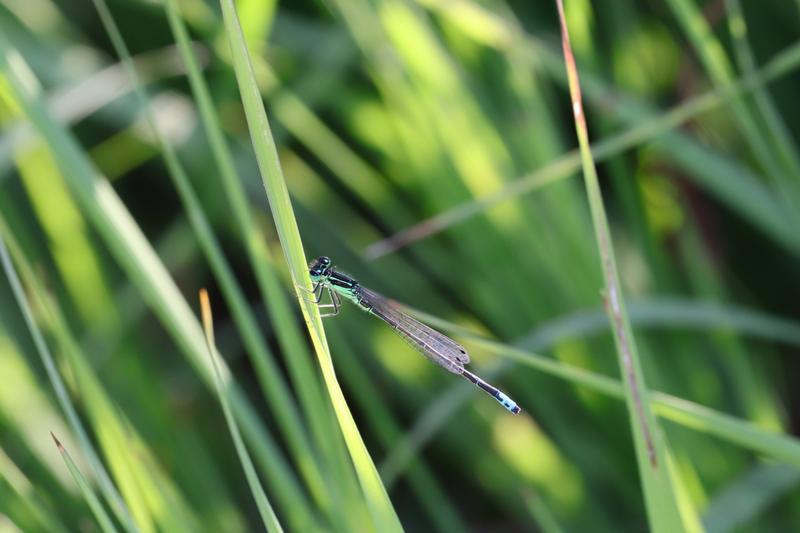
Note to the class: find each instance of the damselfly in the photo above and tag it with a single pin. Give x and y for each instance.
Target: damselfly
(439, 348)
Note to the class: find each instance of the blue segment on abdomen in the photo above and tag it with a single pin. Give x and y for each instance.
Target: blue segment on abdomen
(507, 402)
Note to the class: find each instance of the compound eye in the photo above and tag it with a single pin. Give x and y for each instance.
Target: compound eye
(325, 260)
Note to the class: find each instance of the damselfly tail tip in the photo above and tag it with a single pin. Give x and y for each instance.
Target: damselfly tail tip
(508, 403)
(493, 391)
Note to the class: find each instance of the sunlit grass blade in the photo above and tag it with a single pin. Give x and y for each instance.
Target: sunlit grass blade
(446, 137)
(151, 497)
(274, 388)
(135, 255)
(264, 507)
(88, 494)
(752, 197)
(24, 501)
(432, 497)
(59, 217)
(107, 487)
(266, 154)
(294, 349)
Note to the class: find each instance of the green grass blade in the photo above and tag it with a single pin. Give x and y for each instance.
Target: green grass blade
(56, 210)
(751, 197)
(432, 498)
(772, 444)
(107, 487)
(779, 134)
(88, 494)
(544, 517)
(264, 507)
(151, 496)
(667, 313)
(281, 401)
(742, 501)
(289, 335)
(712, 55)
(16, 487)
(743, 433)
(266, 154)
(296, 354)
(660, 490)
(136, 257)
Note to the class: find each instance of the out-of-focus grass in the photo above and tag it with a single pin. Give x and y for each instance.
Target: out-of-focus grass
(91, 499)
(664, 493)
(384, 517)
(438, 137)
(110, 492)
(271, 522)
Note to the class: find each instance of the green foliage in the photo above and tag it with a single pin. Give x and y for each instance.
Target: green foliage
(429, 148)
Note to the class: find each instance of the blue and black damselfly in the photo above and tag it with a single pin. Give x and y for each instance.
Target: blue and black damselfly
(437, 347)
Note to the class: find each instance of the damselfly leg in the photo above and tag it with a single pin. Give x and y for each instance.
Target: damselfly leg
(336, 304)
(317, 290)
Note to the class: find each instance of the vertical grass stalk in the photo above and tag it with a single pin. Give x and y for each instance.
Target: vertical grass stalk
(107, 487)
(136, 257)
(264, 507)
(651, 450)
(380, 506)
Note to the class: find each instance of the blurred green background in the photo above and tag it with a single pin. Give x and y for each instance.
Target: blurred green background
(429, 149)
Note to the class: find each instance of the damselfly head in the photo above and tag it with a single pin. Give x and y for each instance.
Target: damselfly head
(320, 268)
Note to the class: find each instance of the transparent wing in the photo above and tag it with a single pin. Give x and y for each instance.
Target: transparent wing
(437, 347)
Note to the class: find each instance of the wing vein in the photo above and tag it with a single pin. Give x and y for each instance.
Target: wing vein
(437, 347)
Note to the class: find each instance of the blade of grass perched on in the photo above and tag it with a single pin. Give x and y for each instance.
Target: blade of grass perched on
(106, 485)
(294, 349)
(432, 497)
(660, 490)
(264, 507)
(88, 494)
(137, 258)
(266, 154)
